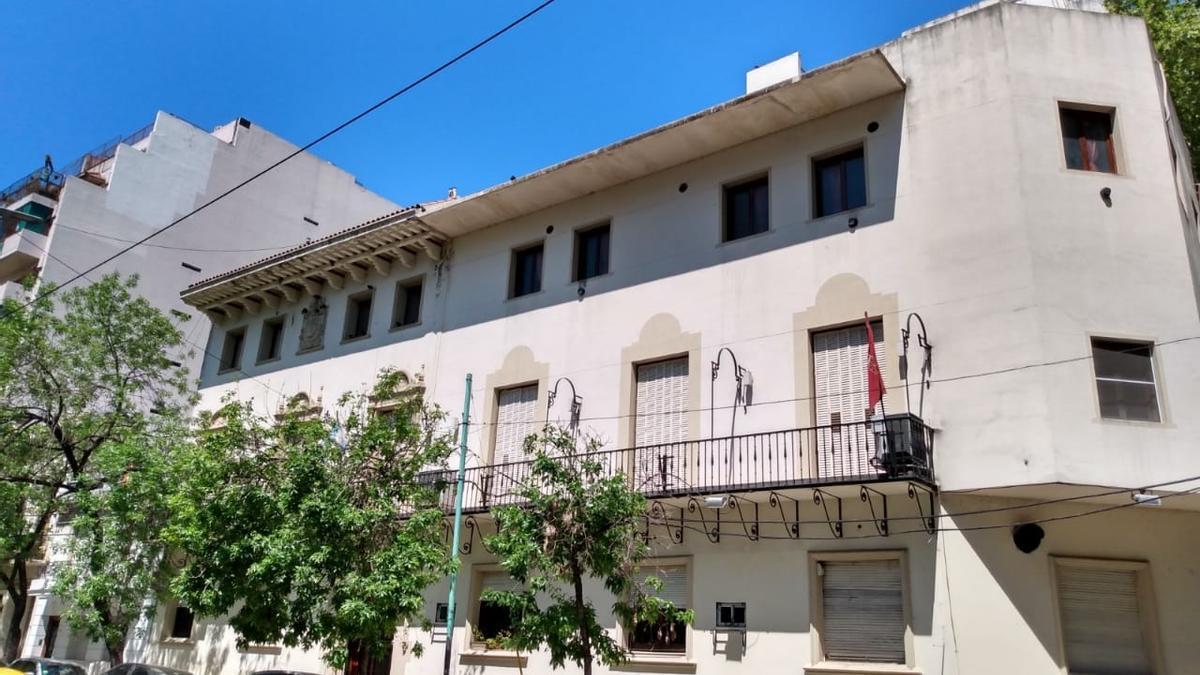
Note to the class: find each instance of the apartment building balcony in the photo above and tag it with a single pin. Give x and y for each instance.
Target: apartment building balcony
(19, 253)
(896, 449)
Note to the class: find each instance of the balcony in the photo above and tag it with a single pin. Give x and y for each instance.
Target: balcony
(19, 254)
(897, 448)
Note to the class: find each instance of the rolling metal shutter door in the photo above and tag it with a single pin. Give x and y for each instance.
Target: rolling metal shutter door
(498, 581)
(840, 379)
(863, 604)
(1101, 623)
(661, 418)
(515, 413)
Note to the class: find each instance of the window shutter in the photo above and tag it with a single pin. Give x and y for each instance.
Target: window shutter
(516, 410)
(1101, 621)
(660, 419)
(863, 604)
(498, 581)
(840, 379)
(674, 585)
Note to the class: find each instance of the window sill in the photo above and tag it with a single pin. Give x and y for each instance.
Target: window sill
(584, 280)
(177, 642)
(262, 649)
(480, 656)
(757, 235)
(645, 662)
(231, 369)
(310, 350)
(356, 338)
(854, 212)
(851, 668)
(263, 362)
(514, 298)
(404, 327)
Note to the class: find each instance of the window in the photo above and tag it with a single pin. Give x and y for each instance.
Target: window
(839, 183)
(231, 351)
(747, 208)
(270, 343)
(1125, 380)
(526, 271)
(843, 446)
(860, 611)
(1088, 139)
(1105, 629)
(181, 622)
(731, 615)
(591, 252)
(661, 635)
(441, 614)
(358, 316)
(660, 424)
(493, 621)
(407, 309)
(516, 412)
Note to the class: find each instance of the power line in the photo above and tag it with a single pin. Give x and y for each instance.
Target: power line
(377, 105)
(175, 248)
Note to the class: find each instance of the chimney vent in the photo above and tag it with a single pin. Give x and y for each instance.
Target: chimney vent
(779, 70)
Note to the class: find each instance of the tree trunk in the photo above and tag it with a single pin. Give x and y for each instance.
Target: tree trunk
(585, 633)
(12, 637)
(116, 652)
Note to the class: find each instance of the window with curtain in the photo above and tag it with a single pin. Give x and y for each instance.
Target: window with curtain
(1088, 139)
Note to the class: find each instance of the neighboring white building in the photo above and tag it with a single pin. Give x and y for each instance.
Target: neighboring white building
(1012, 174)
(81, 214)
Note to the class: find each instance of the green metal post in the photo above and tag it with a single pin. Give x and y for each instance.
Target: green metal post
(458, 506)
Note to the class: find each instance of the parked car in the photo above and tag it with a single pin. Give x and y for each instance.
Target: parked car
(143, 669)
(39, 666)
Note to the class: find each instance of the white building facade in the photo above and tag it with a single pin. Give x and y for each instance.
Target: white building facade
(59, 222)
(1007, 185)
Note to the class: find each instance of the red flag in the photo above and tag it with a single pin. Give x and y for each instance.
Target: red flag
(875, 387)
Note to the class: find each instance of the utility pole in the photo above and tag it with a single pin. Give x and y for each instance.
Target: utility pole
(458, 506)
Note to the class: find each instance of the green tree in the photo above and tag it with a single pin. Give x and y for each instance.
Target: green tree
(310, 530)
(574, 520)
(1175, 31)
(82, 385)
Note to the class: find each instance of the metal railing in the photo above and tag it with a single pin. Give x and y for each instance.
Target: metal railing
(897, 447)
(48, 182)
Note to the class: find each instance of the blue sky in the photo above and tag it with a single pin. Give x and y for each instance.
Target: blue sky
(582, 74)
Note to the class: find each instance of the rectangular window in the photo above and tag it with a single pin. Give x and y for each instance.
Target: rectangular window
(1125, 380)
(493, 621)
(1088, 139)
(591, 252)
(407, 309)
(441, 614)
(516, 412)
(660, 424)
(844, 444)
(1104, 627)
(747, 208)
(182, 621)
(861, 609)
(839, 183)
(731, 615)
(526, 271)
(358, 316)
(270, 343)
(231, 350)
(662, 635)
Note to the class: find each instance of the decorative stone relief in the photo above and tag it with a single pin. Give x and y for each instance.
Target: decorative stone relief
(312, 326)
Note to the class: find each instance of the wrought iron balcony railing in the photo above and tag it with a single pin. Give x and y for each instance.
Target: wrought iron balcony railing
(898, 447)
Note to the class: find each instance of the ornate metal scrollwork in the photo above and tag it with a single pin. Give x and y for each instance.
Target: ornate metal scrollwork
(929, 522)
(658, 515)
(750, 528)
(473, 527)
(776, 501)
(821, 498)
(713, 533)
(881, 524)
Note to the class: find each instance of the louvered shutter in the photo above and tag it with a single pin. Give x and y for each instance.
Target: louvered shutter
(516, 411)
(1101, 621)
(863, 605)
(674, 585)
(840, 379)
(498, 581)
(661, 420)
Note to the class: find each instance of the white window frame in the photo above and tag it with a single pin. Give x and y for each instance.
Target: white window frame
(640, 657)
(168, 625)
(1154, 371)
(1147, 609)
(817, 607)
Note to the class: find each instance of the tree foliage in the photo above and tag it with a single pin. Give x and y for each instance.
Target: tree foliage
(310, 530)
(1175, 31)
(574, 522)
(84, 386)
